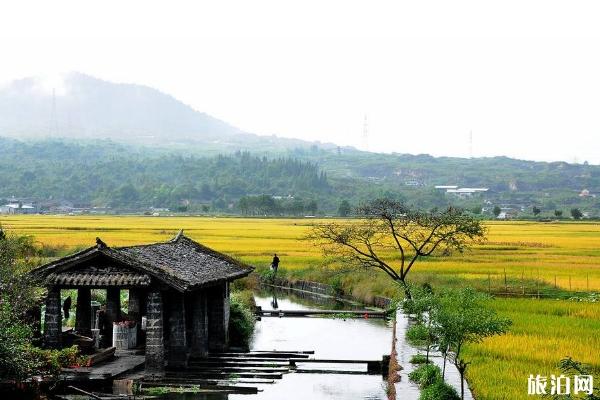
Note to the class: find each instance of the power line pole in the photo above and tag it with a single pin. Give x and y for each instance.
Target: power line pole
(365, 134)
(54, 123)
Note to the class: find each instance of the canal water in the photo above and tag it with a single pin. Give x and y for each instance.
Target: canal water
(332, 338)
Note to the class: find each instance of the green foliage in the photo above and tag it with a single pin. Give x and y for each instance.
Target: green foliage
(433, 387)
(419, 359)
(50, 362)
(417, 334)
(241, 318)
(188, 177)
(15, 362)
(344, 209)
(439, 390)
(425, 375)
(576, 213)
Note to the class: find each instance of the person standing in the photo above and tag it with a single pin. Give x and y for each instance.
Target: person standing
(275, 263)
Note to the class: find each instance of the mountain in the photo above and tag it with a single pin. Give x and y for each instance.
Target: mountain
(80, 106)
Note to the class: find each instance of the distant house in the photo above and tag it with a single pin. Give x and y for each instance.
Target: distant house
(507, 213)
(17, 208)
(446, 187)
(466, 192)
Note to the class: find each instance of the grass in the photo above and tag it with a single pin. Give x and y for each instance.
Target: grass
(551, 259)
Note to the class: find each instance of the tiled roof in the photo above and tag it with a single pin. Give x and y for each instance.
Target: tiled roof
(181, 263)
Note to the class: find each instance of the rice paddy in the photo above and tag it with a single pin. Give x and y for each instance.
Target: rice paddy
(547, 260)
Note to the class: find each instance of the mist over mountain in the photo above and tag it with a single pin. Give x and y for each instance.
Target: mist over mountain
(82, 107)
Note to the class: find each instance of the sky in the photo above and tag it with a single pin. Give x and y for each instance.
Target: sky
(458, 78)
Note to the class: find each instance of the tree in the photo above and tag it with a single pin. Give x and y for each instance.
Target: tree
(17, 295)
(558, 213)
(411, 234)
(344, 209)
(312, 207)
(461, 317)
(420, 306)
(536, 211)
(497, 210)
(576, 213)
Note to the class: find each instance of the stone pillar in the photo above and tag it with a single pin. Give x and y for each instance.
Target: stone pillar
(178, 349)
(113, 310)
(83, 319)
(136, 298)
(199, 324)
(155, 352)
(53, 318)
(218, 317)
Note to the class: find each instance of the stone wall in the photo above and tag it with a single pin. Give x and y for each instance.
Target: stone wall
(53, 318)
(155, 356)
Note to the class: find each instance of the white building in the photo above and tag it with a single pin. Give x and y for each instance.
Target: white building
(17, 208)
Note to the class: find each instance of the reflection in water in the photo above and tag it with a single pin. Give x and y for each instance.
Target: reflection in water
(329, 338)
(274, 304)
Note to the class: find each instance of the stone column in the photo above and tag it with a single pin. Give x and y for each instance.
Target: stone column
(178, 350)
(113, 310)
(155, 352)
(83, 319)
(218, 317)
(199, 324)
(136, 298)
(53, 318)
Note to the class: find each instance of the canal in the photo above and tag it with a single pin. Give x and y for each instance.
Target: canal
(331, 338)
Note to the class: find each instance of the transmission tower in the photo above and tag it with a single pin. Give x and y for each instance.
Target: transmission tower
(54, 122)
(365, 134)
(471, 144)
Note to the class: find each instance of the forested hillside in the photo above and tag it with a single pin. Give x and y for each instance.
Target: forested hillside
(302, 181)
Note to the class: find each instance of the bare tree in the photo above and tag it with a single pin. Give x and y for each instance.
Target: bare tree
(391, 237)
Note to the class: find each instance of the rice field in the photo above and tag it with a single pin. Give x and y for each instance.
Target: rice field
(518, 257)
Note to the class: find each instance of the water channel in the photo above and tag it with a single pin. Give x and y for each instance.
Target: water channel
(329, 338)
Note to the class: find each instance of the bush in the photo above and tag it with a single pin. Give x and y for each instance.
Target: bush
(426, 375)
(50, 362)
(419, 359)
(439, 390)
(241, 318)
(417, 334)
(14, 341)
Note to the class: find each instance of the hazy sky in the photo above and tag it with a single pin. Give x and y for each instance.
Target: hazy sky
(522, 76)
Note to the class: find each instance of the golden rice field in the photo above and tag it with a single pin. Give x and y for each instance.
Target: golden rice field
(562, 255)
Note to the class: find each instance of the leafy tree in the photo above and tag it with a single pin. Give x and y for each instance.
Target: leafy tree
(312, 207)
(413, 234)
(344, 209)
(536, 211)
(558, 213)
(17, 295)
(497, 210)
(576, 213)
(463, 318)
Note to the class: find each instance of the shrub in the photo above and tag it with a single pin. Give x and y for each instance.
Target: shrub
(50, 362)
(439, 390)
(419, 359)
(417, 334)
(426, 375)
(241, 318)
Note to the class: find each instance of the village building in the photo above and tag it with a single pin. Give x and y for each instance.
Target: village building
(17, 208)
(179, 288)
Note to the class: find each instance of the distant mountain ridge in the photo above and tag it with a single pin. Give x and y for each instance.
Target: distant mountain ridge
(84, 107)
